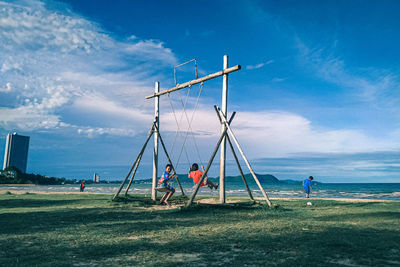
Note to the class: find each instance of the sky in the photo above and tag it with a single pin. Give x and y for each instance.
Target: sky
(318, 91)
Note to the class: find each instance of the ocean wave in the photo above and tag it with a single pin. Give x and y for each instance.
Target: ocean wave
(390, 192)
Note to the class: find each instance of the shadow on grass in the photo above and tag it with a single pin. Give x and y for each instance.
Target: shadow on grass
(126, 218)
(299, 248)
(30, 203)
(362, 216)
(146, 201)
(61, 235)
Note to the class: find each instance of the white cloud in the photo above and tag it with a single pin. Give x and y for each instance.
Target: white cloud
(278, 80)
(91, 132)
(260, 65)
(280, 134)
(276, 134)
(6, 89)
(56, 65)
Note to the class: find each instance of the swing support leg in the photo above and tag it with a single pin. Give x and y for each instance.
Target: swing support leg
(190, 202)
(134, 164)
(240, 168)
(243, 155)
(169, 159)
(236, 159)
(133, 174)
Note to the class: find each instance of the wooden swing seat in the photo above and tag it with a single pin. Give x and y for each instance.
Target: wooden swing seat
(163, 189)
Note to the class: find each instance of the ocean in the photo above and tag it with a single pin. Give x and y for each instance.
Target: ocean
(384, 191)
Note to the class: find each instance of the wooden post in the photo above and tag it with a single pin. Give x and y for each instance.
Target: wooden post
(222, 197)
(156, 133)
(169, 160)
(234, 153)
(208, 166)
(133, 174)
(245, 159)
(136, 160)
(240, 168)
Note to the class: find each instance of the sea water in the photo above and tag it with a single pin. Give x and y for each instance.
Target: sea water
(356, 191)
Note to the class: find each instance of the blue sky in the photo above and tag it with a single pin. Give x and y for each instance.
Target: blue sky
(318, 93)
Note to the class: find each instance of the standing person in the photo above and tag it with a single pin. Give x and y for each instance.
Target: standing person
(164, 186)
(307, 186)
(196, 175)
(83, 185)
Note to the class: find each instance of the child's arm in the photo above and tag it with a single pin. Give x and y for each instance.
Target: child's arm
(173, 176)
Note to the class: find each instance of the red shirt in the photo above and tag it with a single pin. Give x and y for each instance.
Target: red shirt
(196, 176)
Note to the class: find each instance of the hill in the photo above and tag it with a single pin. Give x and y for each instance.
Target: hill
(263, 178)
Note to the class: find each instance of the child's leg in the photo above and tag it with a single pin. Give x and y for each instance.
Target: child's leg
(211, 185)
(163, 197)
(169, 196)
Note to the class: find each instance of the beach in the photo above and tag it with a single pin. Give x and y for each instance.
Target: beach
(280, 190)
(75, 229)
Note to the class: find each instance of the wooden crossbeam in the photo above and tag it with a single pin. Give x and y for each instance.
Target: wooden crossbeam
(196, 81)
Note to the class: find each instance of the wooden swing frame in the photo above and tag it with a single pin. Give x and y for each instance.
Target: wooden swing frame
(221, 144)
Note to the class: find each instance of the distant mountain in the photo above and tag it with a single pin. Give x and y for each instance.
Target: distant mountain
(291, 181)
(263, 178)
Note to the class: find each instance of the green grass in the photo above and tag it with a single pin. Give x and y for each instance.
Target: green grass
(90, 230)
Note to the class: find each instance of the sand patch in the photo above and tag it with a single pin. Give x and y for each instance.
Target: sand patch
(22, 192)
(345, 262)
(184, 257)
(355, 200)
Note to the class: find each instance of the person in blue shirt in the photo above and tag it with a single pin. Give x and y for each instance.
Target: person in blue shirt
(163, 185)
(307, 186)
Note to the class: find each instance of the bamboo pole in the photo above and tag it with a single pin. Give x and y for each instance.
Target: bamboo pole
(196, 81)
(130, 171)
(190, 201)
(244, 157)
(169, 160)
(133, 174)
(155, 150)
(222, 196)
(234, 154)
(240, 168)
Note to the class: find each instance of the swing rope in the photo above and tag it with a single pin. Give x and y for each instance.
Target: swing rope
(189, 130)
(178, 130)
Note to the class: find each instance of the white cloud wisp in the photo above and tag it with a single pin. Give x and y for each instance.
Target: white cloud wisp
(56, 65)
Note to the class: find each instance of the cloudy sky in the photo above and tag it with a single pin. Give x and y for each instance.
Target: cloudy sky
(318, 93)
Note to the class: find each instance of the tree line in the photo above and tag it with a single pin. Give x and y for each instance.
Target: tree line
(12, 175)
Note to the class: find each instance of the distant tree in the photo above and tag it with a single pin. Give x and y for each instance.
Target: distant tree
(12, 175)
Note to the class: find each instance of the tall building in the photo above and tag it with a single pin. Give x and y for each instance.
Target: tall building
(16, 153)
(96, 178)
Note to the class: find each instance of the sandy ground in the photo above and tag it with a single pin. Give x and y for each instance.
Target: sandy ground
(20, 192)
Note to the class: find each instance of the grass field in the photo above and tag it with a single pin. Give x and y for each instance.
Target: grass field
(90, 230)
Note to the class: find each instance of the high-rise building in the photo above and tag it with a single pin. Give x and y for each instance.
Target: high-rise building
(16, 153)
(96, 178)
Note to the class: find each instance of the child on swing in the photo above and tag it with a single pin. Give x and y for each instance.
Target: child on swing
(163, 185)
(196, 175)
